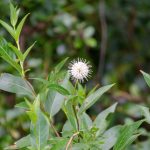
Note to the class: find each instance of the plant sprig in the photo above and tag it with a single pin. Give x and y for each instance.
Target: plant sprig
(14, 29)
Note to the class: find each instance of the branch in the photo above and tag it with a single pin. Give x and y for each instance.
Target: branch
(103, 46)
(70, 140)
(55, 131)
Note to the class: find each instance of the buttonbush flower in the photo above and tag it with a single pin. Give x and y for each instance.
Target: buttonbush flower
(80, 70)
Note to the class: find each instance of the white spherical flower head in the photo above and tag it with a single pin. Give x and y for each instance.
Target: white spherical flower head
(79, 70)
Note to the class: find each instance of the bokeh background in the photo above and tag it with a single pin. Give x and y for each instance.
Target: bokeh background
(114, 35)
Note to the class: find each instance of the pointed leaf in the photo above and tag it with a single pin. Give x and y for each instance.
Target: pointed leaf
(68, 130)
(86, 122)
(41, 80)
(68, 109)
(23, 142)
(145, 112)
(60, 65)
(58, 143)
(8, 28)
(27, 51)
(146, 77)
(100, 122)
(39, 128)
(58, 88)
(55, 100)
(4, 44)
(16, 51)
(91, 99)
(53, 86)
(110, 136)
(14, 12)
(22, 105)
(127, 134)
(19, 27)
(5, 55)
(13, 84)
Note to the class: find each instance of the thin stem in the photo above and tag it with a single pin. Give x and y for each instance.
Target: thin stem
(103, 47)
(33, 92)
(17, 42)
(74, 109)
(76, 83)
(70, 140)
(57, 134)
(51, 123)
(21, 62)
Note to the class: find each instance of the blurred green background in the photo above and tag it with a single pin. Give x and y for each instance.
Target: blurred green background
(114, 35)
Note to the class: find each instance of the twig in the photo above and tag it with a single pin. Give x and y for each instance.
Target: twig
(76, 117)
(51, 123)
(70, 140)
(74, 109)
(57, 134)
(103, 46)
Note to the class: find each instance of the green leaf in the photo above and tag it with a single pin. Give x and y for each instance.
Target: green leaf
(145, 112)
(100, 122)
(68, 109)
(13, 84)
(32, 115)
(68, 130)
(55, 100)
(81, 92)
(8, 28)
(142, 145)
(27, 51)
(11, 147)
(58, 88)
(86, 122)
(19, 27)
(146, 77)
(91, 99)
(58, 143)
(109, 138)
(23, 142)
(22, 105)
(4, 54)
(60, 65)
(92, 90)
(16, 51)
(81, 146)
(39, 128)
(14, 12)
(4, 44)
(131, 139)
(53, 86)
(41, 80)
(128, 134)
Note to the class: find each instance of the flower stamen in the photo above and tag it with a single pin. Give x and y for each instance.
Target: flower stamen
(80, 69)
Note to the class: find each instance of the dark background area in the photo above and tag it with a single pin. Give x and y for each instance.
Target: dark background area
(114, 35)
